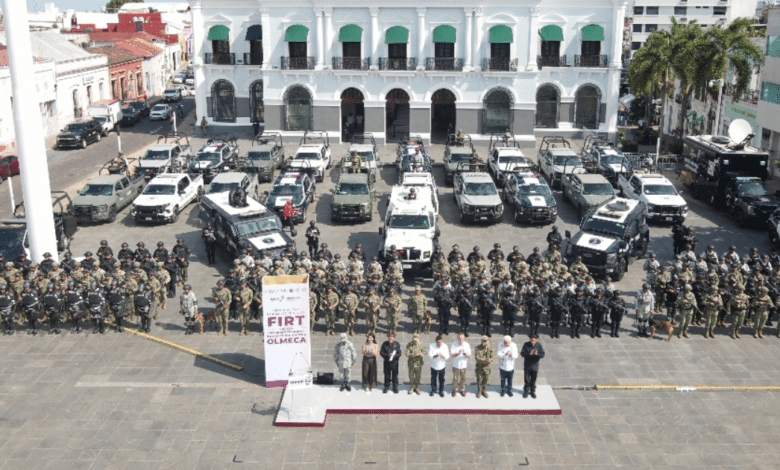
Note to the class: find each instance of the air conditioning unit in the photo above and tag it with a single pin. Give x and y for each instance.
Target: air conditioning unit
(683, 19)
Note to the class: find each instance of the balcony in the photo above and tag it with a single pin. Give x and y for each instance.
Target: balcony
(220, 58)
(351, 63)
(252, 59)
(591, 60)
(444, 63)
(550, 61)
(499, 64)
(297, 63)
(748, 95)
(391, 63)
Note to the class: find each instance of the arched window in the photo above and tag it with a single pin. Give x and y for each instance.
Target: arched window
(587, 102)
(219, 36)
(223, 101)
(297, 101)
(497, 112)
(254, 34)
(256, 106)
(547, 105)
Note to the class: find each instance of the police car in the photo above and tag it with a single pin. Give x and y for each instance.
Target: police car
(530, 197)
(297, 187)
(609, 236)
(217, 155)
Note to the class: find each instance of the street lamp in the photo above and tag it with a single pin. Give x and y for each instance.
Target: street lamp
(719, 83)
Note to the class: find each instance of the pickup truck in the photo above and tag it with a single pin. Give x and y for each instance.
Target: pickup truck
(586, 191)
(265, 156)
(556, 158)
(219, 154)
(505, 158)
(364, 146)
(226, 182)
(664, 203)
(454, 155)
(530, 198)
(353, 198)
(477, 197)
(105, 195)
(602, 157)
(166, 196)
(13, 231)
(312, 157)
(170, 154)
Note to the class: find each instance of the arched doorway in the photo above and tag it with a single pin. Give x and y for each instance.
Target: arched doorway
(223, 101)
(547, 104)
(497, 112)
(352, 113)
(587, 102)
(396, 115)
(297, 102)
(442, 115)
(256, 106)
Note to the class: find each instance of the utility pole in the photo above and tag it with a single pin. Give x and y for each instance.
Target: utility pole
(36, 188)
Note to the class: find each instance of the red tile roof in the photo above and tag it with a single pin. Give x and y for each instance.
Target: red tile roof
(140, 47)
(116, 55)
(5, 59)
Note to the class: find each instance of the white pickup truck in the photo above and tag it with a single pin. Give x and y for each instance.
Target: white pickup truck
(664, 203)
(312, 157)
(166, 196)
(171, 153)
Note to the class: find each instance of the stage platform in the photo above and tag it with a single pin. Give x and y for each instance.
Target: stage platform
(327, 399)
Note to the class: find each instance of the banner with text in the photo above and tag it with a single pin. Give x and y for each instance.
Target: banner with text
(286, 326)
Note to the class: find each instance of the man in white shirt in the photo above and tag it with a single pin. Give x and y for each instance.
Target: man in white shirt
(460, 353)
(507, 354)
(439, 353)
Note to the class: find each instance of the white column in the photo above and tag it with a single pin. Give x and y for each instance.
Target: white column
(618, 18)
(36, 188)
(421, 35)
(320, 38)
(376, 36)
(475, 36)
(328, 11)
(198, 40)
(265, 21)
(469, 36)
(533, 39)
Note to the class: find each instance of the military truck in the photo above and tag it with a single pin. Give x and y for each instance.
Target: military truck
(411, 226)
(264, 157)
(364, 147)
(506, 158)
(477, 196)
(13, 231)
(454, 155)
(556, 158)
(171, 154)
(353, 198)
(105, 195)
(586, 191)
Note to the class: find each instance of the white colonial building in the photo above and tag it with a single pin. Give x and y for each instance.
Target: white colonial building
(402, 67)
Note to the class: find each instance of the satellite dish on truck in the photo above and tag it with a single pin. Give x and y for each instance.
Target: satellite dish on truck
(740, 132)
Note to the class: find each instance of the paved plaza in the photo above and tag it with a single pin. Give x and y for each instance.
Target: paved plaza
(117, 401)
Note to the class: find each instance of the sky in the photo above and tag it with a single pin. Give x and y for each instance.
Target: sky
(81, 5)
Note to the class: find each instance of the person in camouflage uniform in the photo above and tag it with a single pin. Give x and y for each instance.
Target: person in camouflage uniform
(415, 352)
(223, 297)
(165, 279)
(392, 304)
(712, 304)
(349, 305)
(329, 302)
(578, 268)
(131, 286)
(761, 306)
(686, 303)
(417, 306)
(313, 303)
(245, 296)
(372, 303)
(483, 355)
(157, 290)
(738, 305)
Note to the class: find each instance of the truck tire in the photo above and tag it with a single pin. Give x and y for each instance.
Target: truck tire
(621, 270)
(98, 137)
(370, 216)
(739, 217)
(200, 195)
(83, 143)
(564, 196)
(516, 215)
(695, 191)
(175, 216)
(112, 214)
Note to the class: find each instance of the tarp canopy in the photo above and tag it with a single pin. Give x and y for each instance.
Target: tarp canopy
(219, 33)
(254, 33)
(500, 34)
(296, 33)
(593, 32)
(397, 35)
(551, 32)
(444, 33)
(351, 33)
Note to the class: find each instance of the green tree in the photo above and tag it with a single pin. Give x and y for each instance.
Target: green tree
(116, 4)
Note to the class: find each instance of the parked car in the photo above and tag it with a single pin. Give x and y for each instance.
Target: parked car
(141, 106)
(179, 77)
(80, 134)
(104, 196)
(9, 166)
(171, 94)
(130, 116)
(161, 112)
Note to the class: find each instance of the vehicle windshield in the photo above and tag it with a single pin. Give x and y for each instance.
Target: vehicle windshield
(567, 160)
(512, 159)
(409, 221)
(534, 190)
(160, 107)
(307, 156)
(78, 127)
(660, 190)
(352, 189)
(753, 189)
(606, 227)
(252, 227)
(156, 155)
(366, 156)
(460, 157)
(208, 157)
(128, 111)
(614, 160)
(101, 119)
(286, 190)
(598, 189)
(480, 189)
(11, 238)
(98, 190)
(160, 190)
(221, 187)
(259, 156)
(171, 91)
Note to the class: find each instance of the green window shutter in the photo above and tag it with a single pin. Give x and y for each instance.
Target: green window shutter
(774, 47)
(444, 33)
(770, 92)
(397, 35)
(551, 32)
(501, 34)
(254, 33)
(593, 32)
(219, 33)
(296, 33)
(351, 33)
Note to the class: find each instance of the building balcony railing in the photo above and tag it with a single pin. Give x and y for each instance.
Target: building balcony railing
(444, 63)
(220, 58)
(297, 63)
(748, 95)
(252, 59)
(351, 63)
(391, 63)
(591, 60)
(550, 61)
(499, 64)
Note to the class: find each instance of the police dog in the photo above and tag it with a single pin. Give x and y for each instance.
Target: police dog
(427, 321)
(661, 325)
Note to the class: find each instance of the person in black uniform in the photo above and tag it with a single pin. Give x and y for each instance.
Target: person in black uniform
(52, 304)
(143, 307)
(117, 301)
(452, 256)
(617, 308)
(173, 271)
(598, 308)
(390, 352)
(510, 305)
(495, 252)
(149, 265)
(534, 308)
(46, 265)
(161, 253)
(125, 252)
(554, 238)
(141, 252)
(181, 250)
(532, 352)
(671, 291)
(535, 257)
(677, 236)
(104, 249)
(358, 254)
(445, 299)
(578, 307)
(88, 263)
(30, 305)
(312, 238)
(325, 253)
(7, 305)
(108, 263)
(74, 301)
(96, 300)
(467, 300)
(474, 255)
(68, 263)
(210, 242)
(557, 310)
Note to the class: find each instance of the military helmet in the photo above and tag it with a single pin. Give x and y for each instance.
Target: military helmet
(88, 254)
(27, 284)
(645, 286)
(189, 287)
(50, 286)
(764, 289)
(476, 248)
(136, 264)
(67, 255)
(47, 255)
(688, 288)
(599, 291)
(616, 293)
(496, 245)
(124, 245)
(3, 287)
(714, 289)
(93, 285)
(179, 240)
(140, 244)
(114, 283)
(578, 258)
